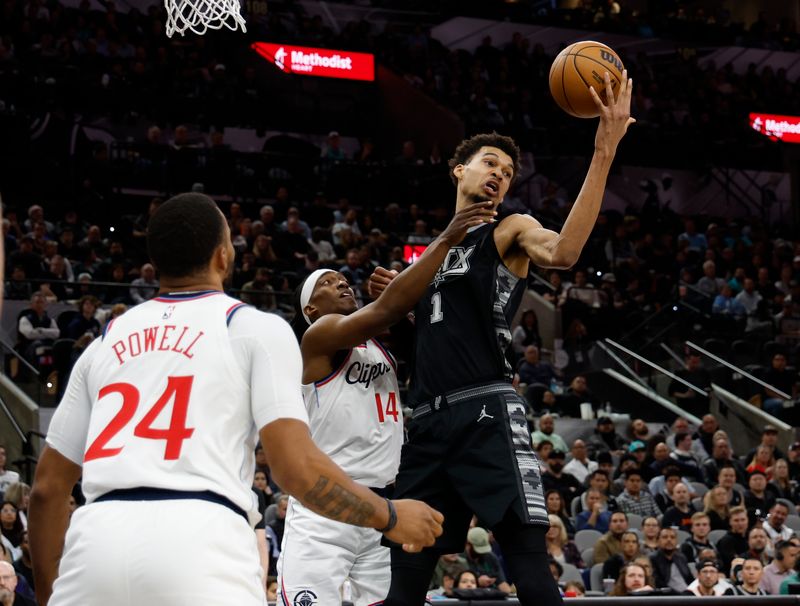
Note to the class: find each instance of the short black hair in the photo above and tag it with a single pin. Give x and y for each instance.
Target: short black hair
(183, 234)
(469, 147)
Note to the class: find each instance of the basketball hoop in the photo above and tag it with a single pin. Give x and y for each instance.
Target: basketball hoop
(199, 16)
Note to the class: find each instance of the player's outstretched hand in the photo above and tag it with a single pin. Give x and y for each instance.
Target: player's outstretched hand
(418, 525)
(615, 113)
(379, 280)
(470, 216)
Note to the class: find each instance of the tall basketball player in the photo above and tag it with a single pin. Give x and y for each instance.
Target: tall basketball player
(351, 395)
(469, 450)
(161, 416)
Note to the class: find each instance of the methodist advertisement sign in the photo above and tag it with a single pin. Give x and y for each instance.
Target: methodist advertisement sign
(307, 61)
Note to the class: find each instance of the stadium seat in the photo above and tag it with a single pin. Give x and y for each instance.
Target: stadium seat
(789, 505)
(587, 555)
(698, 503)
(634, 520)
(683, 536)
(699, 489)
(584, 539)
(716, 346)
(573, 506)
(65, 317)
(716, 535)
(596, 578)
(570, 574)
(793, 522)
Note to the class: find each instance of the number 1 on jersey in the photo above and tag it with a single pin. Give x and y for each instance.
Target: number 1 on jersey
(436, 303)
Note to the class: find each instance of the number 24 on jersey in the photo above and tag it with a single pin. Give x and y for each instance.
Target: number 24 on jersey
(178, 389)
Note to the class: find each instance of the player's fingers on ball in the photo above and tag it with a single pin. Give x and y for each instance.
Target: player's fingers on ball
(609, 90)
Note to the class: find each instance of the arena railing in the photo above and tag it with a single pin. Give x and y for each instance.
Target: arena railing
(674, 600)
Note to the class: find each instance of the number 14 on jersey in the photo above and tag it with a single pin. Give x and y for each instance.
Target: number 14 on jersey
(390, 408)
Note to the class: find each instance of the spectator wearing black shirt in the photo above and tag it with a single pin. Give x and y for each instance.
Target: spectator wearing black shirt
(734, 541)
(534, 371)
(680, 514)
(781, 378)
(698, 376)
(605, 439)
(700, 528)
(757, 542)
(670, 567)
(769, 438)
(555, 478)
(483, 562)
(36, 331)
(757, 499)
(84, 322)
(721, 456)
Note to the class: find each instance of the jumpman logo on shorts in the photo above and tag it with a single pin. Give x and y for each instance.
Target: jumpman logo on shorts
(484, 415)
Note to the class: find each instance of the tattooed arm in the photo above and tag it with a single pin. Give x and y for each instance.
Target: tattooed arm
(306, 473)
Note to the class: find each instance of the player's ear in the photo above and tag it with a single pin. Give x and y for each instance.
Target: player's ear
(309, 310)
(458, 171)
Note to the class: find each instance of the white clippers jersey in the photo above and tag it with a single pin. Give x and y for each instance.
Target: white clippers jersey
(164, 399)
(356, 417)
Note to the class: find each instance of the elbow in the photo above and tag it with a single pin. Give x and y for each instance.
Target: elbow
(564, 259)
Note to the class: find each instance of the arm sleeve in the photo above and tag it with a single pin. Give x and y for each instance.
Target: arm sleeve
(70, 423)
(269, 355)
(26, 328)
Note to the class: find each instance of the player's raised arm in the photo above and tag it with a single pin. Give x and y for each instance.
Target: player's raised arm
(307, 474)
(547, 248)
(334, 331)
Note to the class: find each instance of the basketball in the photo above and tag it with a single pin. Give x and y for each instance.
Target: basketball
(578, 67)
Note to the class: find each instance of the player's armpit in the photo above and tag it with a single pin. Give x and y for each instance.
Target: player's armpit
(48, 517)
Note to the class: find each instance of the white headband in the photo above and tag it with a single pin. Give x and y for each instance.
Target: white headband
(308, 290)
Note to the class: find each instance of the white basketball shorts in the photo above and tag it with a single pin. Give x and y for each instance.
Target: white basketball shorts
(318, 555)
(159, 553)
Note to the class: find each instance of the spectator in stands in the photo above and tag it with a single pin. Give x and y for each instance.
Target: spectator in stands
(611, 542)
(144, 287)
(556, 479)
(606, 439)
(11, 526)
(451, 564)
(532, 370)
(781, 568)
(756, 498)
(784, 380)
(682, 451)
(709, 581)
(596, 515)
(705, 433)
(727, 479)
(23, 565)
(630, 551)
(7, 476)
(700, 528)
(8, 586)
(262, 490)
(752, 571)
(650, 529)
(686, 397)
(775, 524)
(782, 484)
(559, 547)
(85, 322)
(526, 333)
(580, 466)
(670, 568)
(37, 332)
(757, 543)
(321, 244)
(483, 562)
(791, 579)
(634, 499)
(598, 480)
(716, 505)
(664, 497)
(547, 432)
(680, 514)
(734, 541)
(710, 284)
(554, 501)
(749, 298)
(726, 305)
(259, 292)
(769, 438)
(632, 580)
(695, 240)
(582, 292)
(721, 455)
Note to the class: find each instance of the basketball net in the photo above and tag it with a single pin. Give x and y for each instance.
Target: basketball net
(199, 16)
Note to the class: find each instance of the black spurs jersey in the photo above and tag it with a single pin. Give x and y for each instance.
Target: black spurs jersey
(462, 322)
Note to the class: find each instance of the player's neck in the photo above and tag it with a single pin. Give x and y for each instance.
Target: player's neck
(189, 284)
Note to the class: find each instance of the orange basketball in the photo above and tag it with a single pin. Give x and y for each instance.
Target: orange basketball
(578, 67)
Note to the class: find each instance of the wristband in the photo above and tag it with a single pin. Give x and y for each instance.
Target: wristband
(392, 518)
